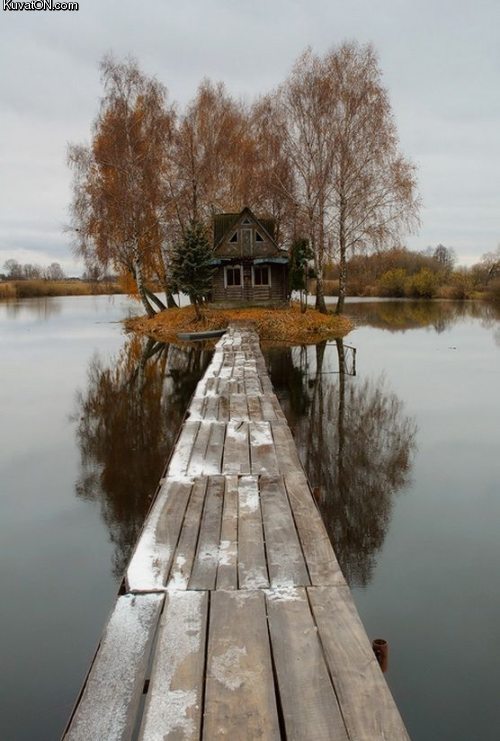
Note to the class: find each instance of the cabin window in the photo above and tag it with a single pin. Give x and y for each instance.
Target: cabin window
(232, 275)
(234, 238)
(258, 238)
(261, 275)
(246, 238)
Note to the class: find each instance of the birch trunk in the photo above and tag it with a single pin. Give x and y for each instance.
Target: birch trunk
(140, 282)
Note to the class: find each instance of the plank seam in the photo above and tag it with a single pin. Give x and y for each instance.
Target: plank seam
(297, 529)
(325, 659)
(205, 664)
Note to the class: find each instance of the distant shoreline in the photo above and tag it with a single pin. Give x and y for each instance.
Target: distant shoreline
(15, 289)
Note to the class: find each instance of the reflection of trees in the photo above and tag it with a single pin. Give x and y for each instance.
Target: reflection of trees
(398, 316)
(41, 308)
(356, 445)
(129, 416)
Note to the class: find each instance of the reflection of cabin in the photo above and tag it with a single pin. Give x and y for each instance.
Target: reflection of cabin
(251, 268)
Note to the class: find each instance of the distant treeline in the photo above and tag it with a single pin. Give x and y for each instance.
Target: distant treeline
(429, 274)
(30, 280)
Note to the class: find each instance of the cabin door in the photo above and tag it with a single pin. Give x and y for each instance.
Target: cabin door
(247, 281)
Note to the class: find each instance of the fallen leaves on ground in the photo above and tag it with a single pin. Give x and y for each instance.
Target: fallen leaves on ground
(276, 325)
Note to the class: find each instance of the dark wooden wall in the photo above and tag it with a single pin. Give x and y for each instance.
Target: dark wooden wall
(246, 293)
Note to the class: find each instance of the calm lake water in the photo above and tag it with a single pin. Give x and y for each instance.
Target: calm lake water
(400, 442)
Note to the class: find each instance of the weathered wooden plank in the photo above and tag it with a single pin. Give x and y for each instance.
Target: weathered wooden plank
(252, 566)
(239, 701)
(211, 411)
(253, 385)
(227, 572)
(263, 458)
(227, 367)
(204, 573)
(268, 410)
(150, 563)
(310, 708)
(211, 386)
(369, 710)
(254, 408)
(277, 409)
(321, 562)
(196, 408)
(236, 449)
(286, 452)
(111, 697)
(173, 707)
(183, 560)
(285, 559)
(215, 449)
(182, 452)
(223, 409)
(196, 465)
(238, 408)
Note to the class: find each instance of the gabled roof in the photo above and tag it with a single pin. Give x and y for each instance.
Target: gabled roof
(224, 223)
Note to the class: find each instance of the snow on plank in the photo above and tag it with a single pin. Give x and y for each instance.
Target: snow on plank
(149, 567)
(262, 450)
(174, 702)
(252, 566)
(112, 693)
(285, 559)
(240, 700)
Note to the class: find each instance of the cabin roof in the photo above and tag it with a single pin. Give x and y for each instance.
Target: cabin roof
(223, 223)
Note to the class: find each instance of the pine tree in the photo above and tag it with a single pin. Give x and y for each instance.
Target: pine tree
(191, 266)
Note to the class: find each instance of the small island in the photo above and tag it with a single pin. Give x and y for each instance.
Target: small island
(243, 276)
(282, 326)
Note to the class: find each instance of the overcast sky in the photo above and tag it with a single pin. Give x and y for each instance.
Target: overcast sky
(440, 61)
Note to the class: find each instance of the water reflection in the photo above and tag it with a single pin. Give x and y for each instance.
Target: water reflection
(402, 315)
(39, 308)
(128, 418)
(356, 445)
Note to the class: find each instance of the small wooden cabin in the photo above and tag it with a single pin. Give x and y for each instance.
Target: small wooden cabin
(251, 268)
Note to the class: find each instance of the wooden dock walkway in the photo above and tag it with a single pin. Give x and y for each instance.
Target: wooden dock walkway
(237, 622)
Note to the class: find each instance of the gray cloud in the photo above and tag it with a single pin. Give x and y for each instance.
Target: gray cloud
(440, 61)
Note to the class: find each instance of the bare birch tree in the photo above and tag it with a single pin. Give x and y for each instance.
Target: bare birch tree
(303, 107)
(373, 196)
(118, 208)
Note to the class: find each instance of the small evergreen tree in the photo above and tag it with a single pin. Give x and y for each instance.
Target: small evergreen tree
(300, 254)
(191, 268)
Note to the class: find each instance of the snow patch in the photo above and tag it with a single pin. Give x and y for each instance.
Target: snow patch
(284, 594)
(227, 669)
(180, 637)
(253, 579)
(174, 716)
(177, 579)
(260, 434)
(224, 553)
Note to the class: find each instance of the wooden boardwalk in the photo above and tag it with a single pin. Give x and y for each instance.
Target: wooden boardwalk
(237, 622)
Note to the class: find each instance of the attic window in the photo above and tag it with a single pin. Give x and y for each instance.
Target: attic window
(234, 238)
(258, 237)
(246, 221)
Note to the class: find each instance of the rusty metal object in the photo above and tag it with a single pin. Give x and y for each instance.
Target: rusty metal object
(381, 651)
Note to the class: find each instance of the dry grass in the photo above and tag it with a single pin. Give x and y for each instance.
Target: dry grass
(7, 290)
(39, 288)
(278, 326)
